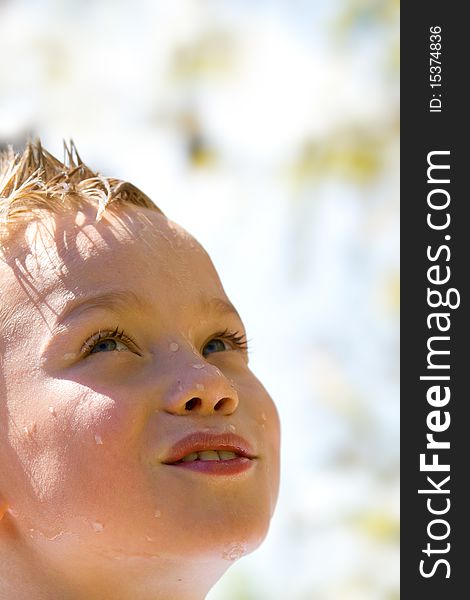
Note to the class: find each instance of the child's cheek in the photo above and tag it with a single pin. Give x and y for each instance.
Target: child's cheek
(69, 432)
(89, 419)
(266, 416)
(262, 417)
(99, 430)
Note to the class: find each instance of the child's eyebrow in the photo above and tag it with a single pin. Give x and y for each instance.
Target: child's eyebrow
(219, 306)
(117, 300)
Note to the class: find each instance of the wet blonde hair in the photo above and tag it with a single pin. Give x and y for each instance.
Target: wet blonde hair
(35, 181)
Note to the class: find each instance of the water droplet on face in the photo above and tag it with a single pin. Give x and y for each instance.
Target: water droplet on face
(52, 410)
(30, 429)
(80, 219)
(198, 366)
(234, 551)
(149, 539)
(69, 356)
(263, 416)
(199, 386)
(232, 428)
(157, 514)
(98, 439)
(174, 347)
(97, 526)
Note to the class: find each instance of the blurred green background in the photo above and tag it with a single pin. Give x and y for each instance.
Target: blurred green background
(269, 129)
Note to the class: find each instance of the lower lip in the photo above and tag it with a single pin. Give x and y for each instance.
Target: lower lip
(217, 467)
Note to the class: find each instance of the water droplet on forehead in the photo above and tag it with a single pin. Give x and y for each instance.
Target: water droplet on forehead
(97, 526)
(263, 416)
(98, 439)
(157, 514)
(174, 347)
(52, 410)
(198, 366)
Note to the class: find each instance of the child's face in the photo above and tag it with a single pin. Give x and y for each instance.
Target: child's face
(89, 417)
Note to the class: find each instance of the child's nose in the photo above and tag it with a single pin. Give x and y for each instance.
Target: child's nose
(204, 390)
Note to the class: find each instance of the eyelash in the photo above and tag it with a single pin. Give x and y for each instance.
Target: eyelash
(239, 340)
(106, 335)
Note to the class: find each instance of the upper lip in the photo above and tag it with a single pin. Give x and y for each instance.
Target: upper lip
(199, 441)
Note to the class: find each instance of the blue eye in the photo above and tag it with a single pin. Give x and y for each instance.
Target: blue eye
(224, 341)
(216, 345)
(108, 345)
(109, 341)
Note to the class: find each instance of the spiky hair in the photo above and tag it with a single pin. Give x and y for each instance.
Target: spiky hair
(35, 181)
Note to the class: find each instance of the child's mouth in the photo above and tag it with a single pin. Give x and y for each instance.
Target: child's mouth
(209, 455)
(204, 462)
(217, 454)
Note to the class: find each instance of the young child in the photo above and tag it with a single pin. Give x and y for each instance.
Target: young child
(139, 455)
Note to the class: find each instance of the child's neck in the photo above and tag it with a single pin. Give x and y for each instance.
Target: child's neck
(25, 575)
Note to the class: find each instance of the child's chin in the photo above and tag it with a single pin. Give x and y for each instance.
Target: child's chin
(229, 539)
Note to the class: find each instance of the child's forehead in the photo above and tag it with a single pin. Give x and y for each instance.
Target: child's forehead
(57, 238)
(127, 223)
(60, 256)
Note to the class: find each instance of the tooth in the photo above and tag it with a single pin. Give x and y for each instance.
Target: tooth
(190, 457)
(208, 455)
(224, 455)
